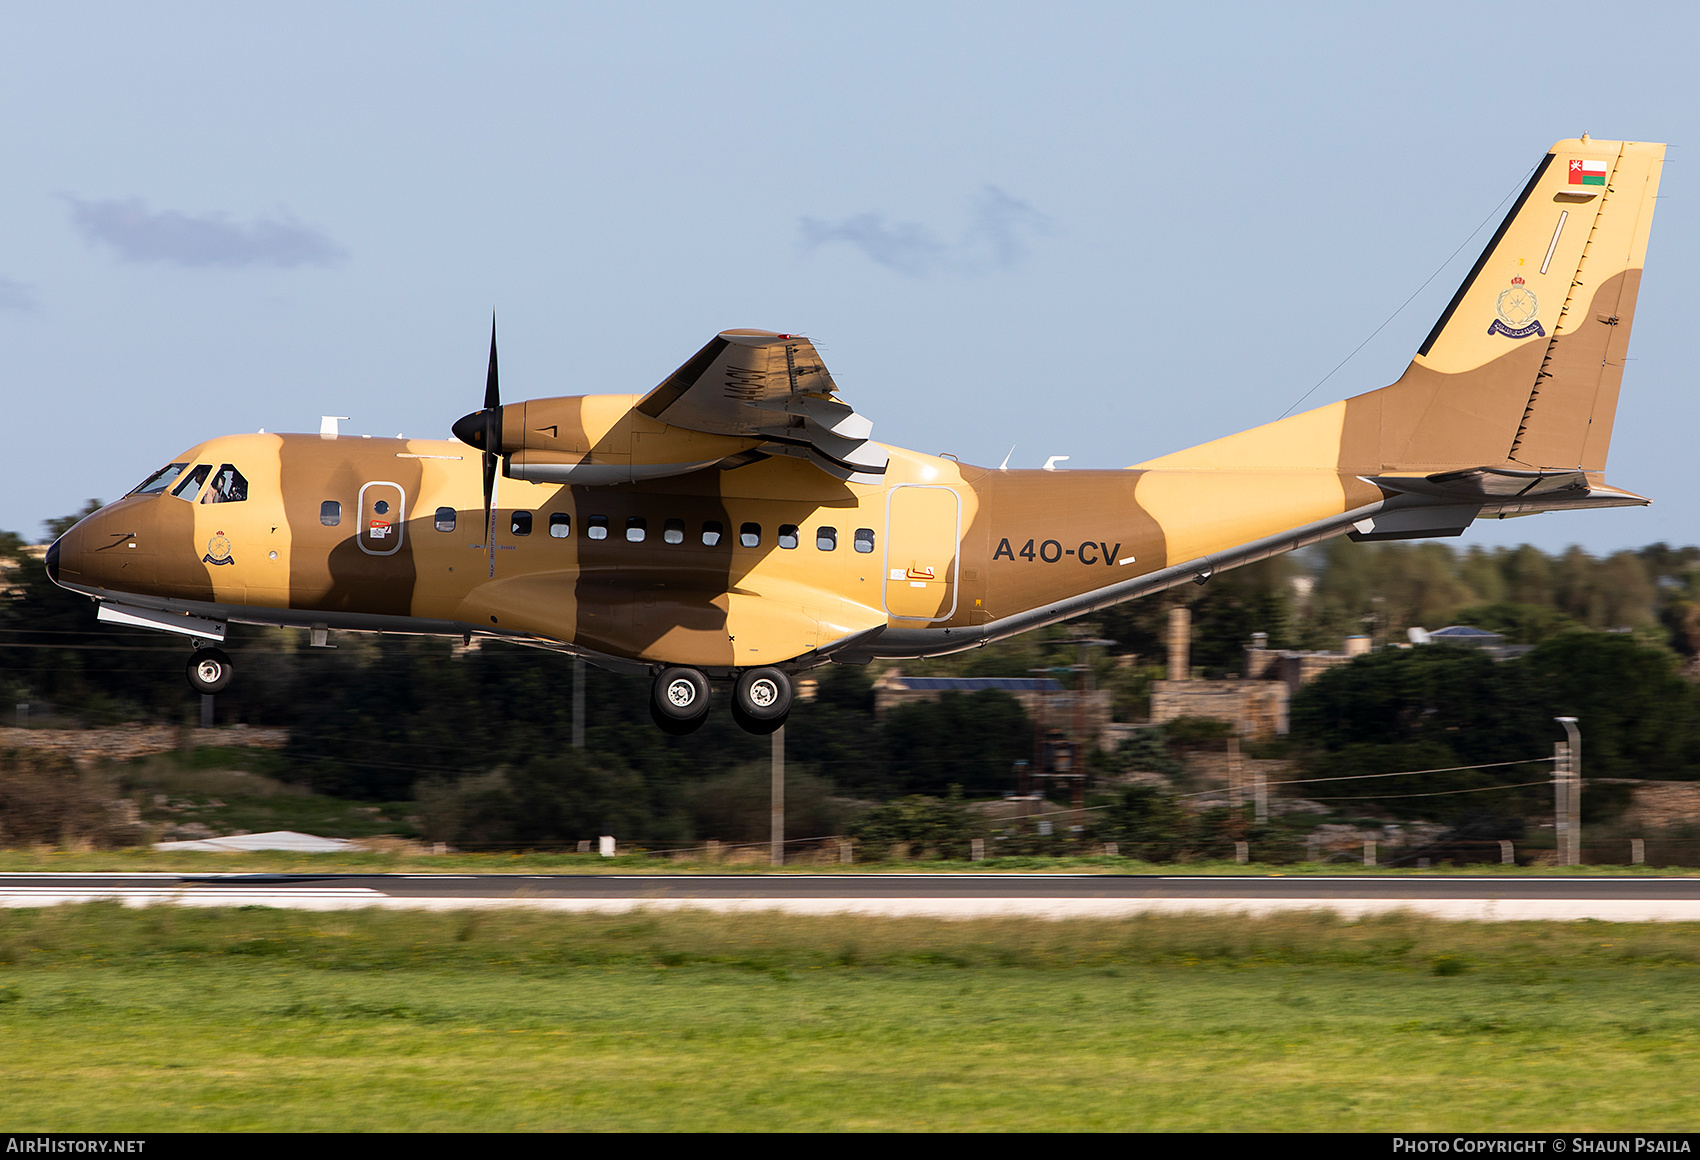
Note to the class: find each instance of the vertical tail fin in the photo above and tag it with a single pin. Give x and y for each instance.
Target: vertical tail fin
(1523, 368)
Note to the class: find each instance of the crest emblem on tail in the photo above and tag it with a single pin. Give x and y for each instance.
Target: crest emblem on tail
(1517, 307)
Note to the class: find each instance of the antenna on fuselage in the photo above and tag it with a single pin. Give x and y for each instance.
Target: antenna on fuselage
(1004, 466)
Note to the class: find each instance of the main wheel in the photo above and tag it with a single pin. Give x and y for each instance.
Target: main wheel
(680, 694)
(209, 671)
(762, 695)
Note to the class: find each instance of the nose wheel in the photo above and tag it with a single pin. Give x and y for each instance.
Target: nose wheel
(761, 700)
(209, 671)
(678, 701)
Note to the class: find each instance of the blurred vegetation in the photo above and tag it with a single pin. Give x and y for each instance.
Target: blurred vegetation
(479, 740)
(925, 827)
(45, 799)
(1440, 707)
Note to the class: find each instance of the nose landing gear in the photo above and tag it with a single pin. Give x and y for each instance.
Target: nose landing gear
(209, 671)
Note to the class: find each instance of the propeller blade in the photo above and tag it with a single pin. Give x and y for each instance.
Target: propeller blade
(483, 430)
(492, 445)
(492, 396)
(489, 509)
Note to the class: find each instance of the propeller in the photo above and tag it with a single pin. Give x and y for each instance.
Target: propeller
(483, 430)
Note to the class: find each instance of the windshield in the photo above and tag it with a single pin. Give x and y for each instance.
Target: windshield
(228, 486)
(191, 485)
(160, 480)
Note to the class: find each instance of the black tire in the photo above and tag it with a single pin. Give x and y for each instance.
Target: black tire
(761, 728)
(671, 727)
(762, 694)
(680, 694)
(209, 671)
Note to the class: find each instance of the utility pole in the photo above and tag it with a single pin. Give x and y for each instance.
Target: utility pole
(578, 702)
(1567, 792)
(1235, 790)
(777, 855)
(1180, 643)
(1082, 689)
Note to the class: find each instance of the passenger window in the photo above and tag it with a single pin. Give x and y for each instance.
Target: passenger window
(330, 513)
(560, 525)
(711, 532)
(445, 521)
(787, 535)
(160, 480)
(598, 528)
(826, 539)
(191, 485)
(864, 539)
(636, 529)
(228, 486)
(521, 524)
(750, 535)
(674, 532)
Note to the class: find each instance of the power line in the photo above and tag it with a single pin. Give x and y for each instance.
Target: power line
(1521, 182)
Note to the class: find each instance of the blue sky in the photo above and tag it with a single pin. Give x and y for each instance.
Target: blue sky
(1101, 231)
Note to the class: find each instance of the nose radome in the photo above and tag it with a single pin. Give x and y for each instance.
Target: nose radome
(53, 561)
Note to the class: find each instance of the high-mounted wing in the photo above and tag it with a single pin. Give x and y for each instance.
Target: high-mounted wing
(757, 384)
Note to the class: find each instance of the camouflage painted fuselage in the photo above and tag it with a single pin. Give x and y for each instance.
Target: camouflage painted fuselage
(1506, 409)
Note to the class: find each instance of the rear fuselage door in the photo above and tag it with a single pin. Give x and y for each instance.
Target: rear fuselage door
(922, 532)
(383, 518)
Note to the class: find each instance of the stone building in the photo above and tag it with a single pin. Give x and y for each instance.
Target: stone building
(1255, 704)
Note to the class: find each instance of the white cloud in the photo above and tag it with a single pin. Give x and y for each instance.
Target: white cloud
(140, 234)
(998, 237)
(16, 296)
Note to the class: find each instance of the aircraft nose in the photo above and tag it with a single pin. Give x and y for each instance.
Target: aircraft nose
(53, 562)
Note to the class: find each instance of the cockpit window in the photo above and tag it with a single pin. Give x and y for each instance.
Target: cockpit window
(191, 485)
(160, 480)
(228, 486)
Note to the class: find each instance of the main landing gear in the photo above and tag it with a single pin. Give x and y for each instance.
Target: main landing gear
(678, 700)
(209, 671)
(761, 700)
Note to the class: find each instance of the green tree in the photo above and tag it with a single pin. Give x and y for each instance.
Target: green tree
(1148, 824)
(945, 828)
(971, 740)
(1638, 717)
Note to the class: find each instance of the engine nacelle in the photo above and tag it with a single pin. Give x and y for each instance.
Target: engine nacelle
(596, 440)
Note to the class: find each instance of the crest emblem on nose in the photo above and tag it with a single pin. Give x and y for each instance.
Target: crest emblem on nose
(218, 550)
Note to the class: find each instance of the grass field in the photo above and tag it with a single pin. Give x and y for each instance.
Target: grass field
(168, 1019)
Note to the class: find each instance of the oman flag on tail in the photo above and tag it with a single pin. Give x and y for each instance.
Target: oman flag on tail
(1587, 172)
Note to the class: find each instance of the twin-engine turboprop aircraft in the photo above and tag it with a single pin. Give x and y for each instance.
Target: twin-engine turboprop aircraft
(739, 524)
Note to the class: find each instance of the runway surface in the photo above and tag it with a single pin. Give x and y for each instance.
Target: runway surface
(933, 895)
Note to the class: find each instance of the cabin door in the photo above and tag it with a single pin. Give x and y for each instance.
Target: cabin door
(383, 518)
(923, 529)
